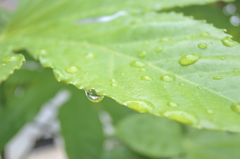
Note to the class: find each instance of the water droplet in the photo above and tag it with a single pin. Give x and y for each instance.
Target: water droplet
(227, 41)
(142, 69)
(182, 84)
(167, 78)
(114, 84)
(202, 45)
(138, 64)
(217, 78)
(142, 54)
(189, 59)
(146, 78)
(210, 111)
(159, 49)
(90, 55)
(236, 70)
(236, 107)
(72, 69)
(205, 34)
(13, 58)
(43, 52)
(113, 80)
(201, 75)
(93, 96)
(199, 87)
(172, 104)
(164, 39)
(181, 116)
(222, 58)
(139, 106)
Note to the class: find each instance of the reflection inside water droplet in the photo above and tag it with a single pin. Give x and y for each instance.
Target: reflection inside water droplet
(93, 96)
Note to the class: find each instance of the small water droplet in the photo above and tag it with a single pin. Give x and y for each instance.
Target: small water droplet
(217, 78)
(182, 84)
(90, 55)
(114, 84)
(142, 54)
(164, 39)
(199, 87)
(137, 64)
(172, 104)
(189, 59)
(181, 116)
(146, 78)
(222, 58)
(205, 34)
(159, 49)
(13, 58)
(202, 45)
(210, 111)
(236, 107)
(93, 96)
(167, 78)
(113, 80)
(201, 75)
(43, 52)
(72, 69)
(139, 106)
(142, 69)
(236, 70)
(227, 41)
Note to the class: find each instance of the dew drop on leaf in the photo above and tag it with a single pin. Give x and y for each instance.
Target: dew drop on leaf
(202, 45)
(167, 78)
(93, 96)
(137, 64)
(201, 75)
(72, 69)
(222, 58)
(114, 84)
(210, 111)
(142, 54)
(139, 106)
(172, 104)
(217, 78)
(227, 41)
(13, 58)
(113, 80)
(181, 116)
(142, 70)
(159, 49)
(205, 34)
(164, 39)
(199, 87)
(90, 55)
(189, 59)
(236, 107)
(236, 70)
(146, 78)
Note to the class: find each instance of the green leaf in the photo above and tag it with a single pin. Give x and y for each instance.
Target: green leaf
(4, 18)
(163, 64)
(31, 94)
(81, 127)
(208, 145)
(151, 136)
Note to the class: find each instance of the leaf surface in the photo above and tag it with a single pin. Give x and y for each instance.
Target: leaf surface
(164, 64)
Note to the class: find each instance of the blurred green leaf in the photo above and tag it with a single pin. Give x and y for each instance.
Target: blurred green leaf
(81, 127)
(23, 99)
(4, 18)
(151, 136)
(202, 144)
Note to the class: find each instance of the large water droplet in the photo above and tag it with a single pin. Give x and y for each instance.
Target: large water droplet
(236, 107)
(146, 78)
(227, 41)
(172, 104)
(93, 96)
(13, 58)
(139, 106)
(137, 64)
(202, 45)
(181, 116)
(167, 78)
(142, 54)
(189, 59)
(217, 78)
(72, 69)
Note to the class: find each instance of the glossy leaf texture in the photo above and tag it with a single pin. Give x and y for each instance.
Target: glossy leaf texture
(163, 64)
(32, 89)
(81, 127)
(151, 136)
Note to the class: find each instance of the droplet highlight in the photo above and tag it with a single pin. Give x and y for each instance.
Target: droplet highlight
(167, 78)
(93, 96)
(137, 64)
(146, 78)
(189, 59)
(72, 69)
(227, 41)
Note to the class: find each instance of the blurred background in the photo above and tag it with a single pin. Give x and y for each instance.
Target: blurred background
(40, 139)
